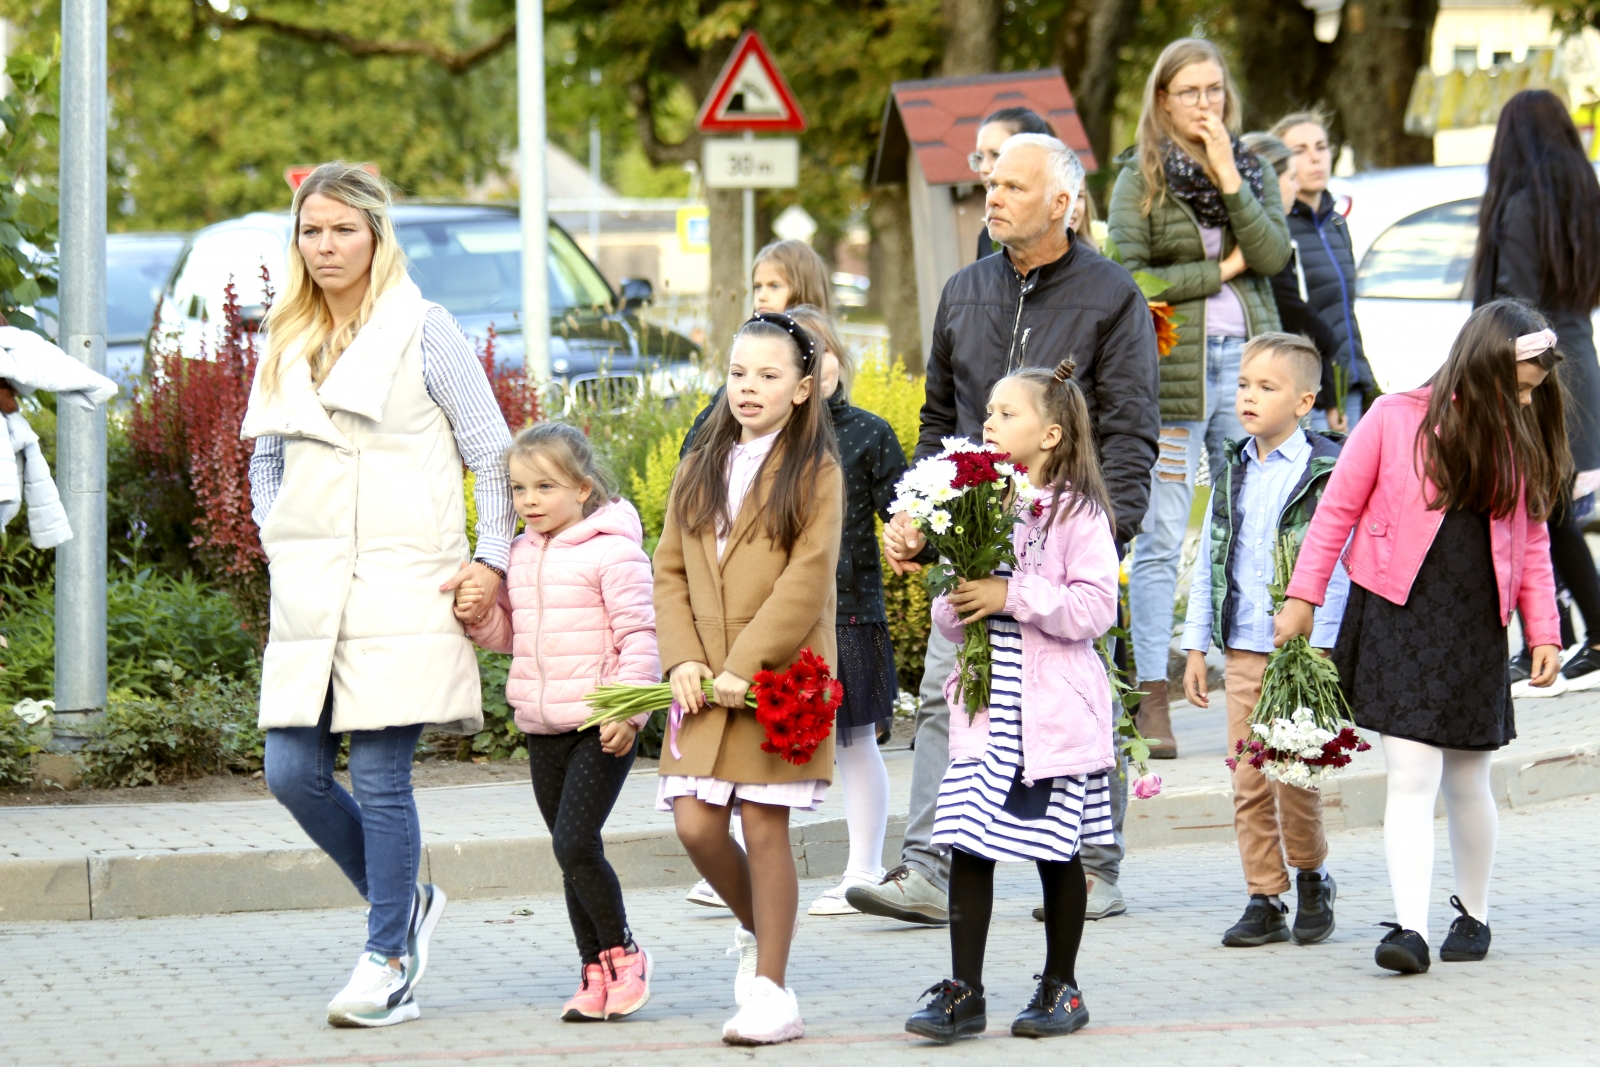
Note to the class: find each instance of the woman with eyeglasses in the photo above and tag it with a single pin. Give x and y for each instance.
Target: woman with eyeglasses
(1193, 207)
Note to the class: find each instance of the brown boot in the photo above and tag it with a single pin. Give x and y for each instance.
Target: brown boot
(1155, 721)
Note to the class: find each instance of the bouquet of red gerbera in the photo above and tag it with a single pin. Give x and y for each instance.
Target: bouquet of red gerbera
(794, 707)
(958, 499)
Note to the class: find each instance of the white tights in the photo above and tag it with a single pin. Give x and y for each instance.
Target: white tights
(866, 799)
(1416, 773)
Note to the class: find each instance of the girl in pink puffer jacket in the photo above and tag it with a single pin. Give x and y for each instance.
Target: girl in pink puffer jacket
(576, 612)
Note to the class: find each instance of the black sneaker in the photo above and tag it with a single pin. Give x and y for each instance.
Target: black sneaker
(1313, 913)
(956, 1010)
(1521, 668)
(1581, 672)
(1402, 950)
(1468, 940)
(1261, 924)
(1055, 1010)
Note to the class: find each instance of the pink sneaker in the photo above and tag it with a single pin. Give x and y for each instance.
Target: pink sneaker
(588, 1004)
(627, 978)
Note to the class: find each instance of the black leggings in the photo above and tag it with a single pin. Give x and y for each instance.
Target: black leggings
(575, 784)
(1066, 896)
(1574, 566)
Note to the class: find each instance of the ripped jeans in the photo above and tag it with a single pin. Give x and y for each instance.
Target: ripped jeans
(1153, 577)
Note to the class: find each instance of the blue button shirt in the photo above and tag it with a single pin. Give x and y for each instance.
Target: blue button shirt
(1267, 485)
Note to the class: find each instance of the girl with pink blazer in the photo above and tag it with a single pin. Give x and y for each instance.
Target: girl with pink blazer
(1437, 509)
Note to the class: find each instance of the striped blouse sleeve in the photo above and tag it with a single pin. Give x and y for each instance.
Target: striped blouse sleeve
(266, 476)
(455, 380)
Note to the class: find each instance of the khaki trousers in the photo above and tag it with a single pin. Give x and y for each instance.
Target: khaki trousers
(1269, 818)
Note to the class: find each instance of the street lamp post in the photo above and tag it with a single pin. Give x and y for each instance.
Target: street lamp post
(535, 217)
(80, 687)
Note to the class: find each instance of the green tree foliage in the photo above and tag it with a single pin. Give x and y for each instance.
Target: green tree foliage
(208, 108)
(28, 211)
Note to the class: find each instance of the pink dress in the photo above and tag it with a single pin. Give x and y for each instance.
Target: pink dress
(744, 463)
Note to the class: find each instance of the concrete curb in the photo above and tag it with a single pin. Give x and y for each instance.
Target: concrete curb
(147, 884)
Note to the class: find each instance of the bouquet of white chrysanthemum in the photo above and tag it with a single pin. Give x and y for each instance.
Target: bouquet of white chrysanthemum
(1300, 731)
(966, 500)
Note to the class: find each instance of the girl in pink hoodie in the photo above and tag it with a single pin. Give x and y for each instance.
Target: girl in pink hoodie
(1029, 774)
(575, 612)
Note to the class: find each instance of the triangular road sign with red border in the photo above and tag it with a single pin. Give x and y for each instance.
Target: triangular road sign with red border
(750, 94)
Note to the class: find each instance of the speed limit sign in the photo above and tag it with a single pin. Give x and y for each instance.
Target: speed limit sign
(770, 163)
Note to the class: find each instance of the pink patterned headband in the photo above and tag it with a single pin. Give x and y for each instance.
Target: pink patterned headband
(1531, 345)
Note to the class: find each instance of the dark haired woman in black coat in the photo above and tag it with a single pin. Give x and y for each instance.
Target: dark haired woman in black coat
(1539, 241)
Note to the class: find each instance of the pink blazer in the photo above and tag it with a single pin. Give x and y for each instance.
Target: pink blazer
(1377, 491)
(1064, 593)
(575, 611)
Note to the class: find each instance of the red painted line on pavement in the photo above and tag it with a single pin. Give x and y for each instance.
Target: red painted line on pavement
(461, 1055)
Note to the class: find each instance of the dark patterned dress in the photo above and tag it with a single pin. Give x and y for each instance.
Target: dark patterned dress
(1435, 669)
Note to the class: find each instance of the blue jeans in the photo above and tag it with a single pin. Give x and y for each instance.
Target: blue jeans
(1352, 413)
(373, 836)
(1153, 578)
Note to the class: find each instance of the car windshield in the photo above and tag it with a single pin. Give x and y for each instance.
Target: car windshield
(136, 269)
(474, 267)
(1425, 256)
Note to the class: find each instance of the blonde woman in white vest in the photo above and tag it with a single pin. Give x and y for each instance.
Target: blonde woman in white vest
(365, 407)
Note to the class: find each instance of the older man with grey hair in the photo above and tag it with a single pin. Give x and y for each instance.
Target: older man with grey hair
(1047, 297)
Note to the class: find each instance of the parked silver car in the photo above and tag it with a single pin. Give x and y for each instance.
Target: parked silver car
(1413, 230)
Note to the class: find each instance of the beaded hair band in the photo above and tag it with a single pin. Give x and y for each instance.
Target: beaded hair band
(808, 345)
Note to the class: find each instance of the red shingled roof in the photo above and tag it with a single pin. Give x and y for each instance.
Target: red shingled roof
(940, 120)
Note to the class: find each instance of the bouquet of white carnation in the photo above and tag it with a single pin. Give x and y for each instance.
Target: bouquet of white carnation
(966, 501)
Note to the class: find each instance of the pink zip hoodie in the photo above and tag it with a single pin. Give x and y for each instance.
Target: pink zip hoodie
(1377, 491)
(1064, 593)
(575, 612)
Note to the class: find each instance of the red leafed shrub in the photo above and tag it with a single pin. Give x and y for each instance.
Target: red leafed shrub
(185, 428)
(518, 400)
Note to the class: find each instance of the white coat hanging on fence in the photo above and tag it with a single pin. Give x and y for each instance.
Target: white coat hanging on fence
(29, 363)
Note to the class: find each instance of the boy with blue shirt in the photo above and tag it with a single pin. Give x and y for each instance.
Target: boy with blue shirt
(1270, 488)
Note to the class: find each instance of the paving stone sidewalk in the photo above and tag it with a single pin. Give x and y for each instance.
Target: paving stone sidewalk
(249, 990)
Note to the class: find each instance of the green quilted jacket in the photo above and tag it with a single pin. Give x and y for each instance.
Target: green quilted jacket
(1167, 244)
(1294, 521)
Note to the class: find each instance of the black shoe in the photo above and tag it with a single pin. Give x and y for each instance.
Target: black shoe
(1468, 940)
(1038, 915)
(1313, 913)
(1402, 950)
(1261, 924)
(1521, 668)
(1055, 1010)
(1584, 666)
(956, 1010)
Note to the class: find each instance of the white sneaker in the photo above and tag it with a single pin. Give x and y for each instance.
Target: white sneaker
(744, 946)
(1526, 688)
(702, 893)
(833, 902)
(427, 906)
(771, 1016)
(377, 995)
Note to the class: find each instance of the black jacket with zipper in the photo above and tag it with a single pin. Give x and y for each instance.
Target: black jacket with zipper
(992, 320)
(1327, 259)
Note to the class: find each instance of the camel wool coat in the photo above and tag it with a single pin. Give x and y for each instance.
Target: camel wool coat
(369, 522)
(753, 610)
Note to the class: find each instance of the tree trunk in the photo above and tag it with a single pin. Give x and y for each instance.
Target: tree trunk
(727, 298)
(1380, 46)
(1282, 67)
(1111, 23)
(971, 37)
(894, 277)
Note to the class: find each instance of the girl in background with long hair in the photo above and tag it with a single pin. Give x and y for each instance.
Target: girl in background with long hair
(1029, 774)
(1193, 207)
(1539, 241)
(1442, 495)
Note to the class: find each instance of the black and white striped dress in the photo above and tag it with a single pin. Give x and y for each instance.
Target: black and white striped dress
(983, 806)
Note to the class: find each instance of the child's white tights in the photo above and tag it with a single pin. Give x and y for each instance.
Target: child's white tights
(1416, 773)
(866, 799)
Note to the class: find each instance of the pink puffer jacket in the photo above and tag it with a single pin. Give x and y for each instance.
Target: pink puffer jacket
(575, 612)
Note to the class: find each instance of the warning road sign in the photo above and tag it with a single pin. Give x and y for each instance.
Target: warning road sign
(750, 94)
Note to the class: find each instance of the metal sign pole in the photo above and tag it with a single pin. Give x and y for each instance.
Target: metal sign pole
(535, 216)
(80, 686)
(749, 239)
